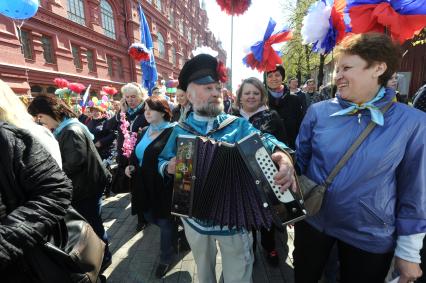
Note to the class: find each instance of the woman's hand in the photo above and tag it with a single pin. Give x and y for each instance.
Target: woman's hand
(129, 171)
(123, 105)
(285, 175)
(171, 166)
(409, 271)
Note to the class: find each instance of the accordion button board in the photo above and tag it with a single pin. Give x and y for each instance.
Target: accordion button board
(230, 185)
(286, 206)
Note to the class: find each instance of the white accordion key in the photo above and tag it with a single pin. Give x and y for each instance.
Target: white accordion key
(269, 170)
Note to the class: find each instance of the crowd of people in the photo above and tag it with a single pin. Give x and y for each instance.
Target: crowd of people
(373, 212)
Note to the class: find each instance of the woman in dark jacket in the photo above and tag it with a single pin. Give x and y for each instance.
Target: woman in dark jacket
(288, 107)
(252, 105)
(182, 110)
(150, 195)
(103, 135)
(133, 105)
(34, 194)
(80, 160)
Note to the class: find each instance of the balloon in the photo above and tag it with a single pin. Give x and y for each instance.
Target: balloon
(105, 98)
(19, 9)
(90, 104)
(95, 100)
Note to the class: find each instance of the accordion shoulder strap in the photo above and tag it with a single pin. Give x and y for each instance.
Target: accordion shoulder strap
(222, 125)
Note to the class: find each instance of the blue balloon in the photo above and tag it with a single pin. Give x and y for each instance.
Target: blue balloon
(18, 9)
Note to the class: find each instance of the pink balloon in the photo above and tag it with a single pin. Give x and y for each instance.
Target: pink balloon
(104, 98)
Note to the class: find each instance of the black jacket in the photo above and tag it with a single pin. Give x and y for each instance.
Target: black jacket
(137, 122)
(149, 191)
(102, 134)
(35, 193)
(267, 121)
(289, 107)
(82, 163)
(176, 113)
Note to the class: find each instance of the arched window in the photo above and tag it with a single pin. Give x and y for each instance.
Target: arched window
(173, 56)
(76, 11)
(189, 36)
(161, 48)
(107, 19)
(196, 41)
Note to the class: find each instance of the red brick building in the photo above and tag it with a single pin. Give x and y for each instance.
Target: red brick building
(86, 41)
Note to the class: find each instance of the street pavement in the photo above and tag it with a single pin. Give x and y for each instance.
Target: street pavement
(136, 254)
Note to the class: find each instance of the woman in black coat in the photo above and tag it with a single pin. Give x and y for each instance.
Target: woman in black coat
(150, 195)
(103, 135)
(133, 105)
(252, 105)
(288, 106)
(80, 160)
(34, 194)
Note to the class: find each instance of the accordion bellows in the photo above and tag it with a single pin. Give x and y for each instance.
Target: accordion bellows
(214, 183)
(226, 187)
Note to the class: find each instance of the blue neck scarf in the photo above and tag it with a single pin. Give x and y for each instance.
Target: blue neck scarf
(276, 94)
(131, 111)
(146, 139)
(69, 121)
(376, 114)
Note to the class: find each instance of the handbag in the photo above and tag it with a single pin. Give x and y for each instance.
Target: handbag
(72, 252)
(313, 193)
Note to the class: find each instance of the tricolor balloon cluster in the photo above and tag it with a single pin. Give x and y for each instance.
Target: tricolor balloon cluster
(329, 21)
(19, 9)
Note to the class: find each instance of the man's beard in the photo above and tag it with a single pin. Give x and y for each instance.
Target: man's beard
(210, 110)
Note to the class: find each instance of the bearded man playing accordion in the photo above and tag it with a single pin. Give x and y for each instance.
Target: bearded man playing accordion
(201, 79)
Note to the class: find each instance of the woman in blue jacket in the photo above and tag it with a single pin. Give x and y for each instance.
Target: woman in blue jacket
(375, 208)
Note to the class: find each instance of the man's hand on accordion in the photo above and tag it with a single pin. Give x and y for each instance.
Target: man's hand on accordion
(285, 176)
(171, 166)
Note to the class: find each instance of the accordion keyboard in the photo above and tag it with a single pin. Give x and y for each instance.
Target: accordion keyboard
(269, 170)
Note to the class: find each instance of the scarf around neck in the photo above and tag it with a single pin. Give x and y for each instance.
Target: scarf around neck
(147, 140)
(71, 121)
(131, 111)
(376, 114)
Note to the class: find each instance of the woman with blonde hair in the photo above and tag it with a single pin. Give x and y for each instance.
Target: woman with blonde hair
(14, 112)
(132, 103)
(34, 192)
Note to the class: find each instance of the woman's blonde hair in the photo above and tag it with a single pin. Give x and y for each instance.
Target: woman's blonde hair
(12, 109)
(257, 84)
(141, 92)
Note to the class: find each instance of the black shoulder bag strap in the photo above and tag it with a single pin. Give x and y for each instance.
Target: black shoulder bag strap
(353, 147)
(222, 125)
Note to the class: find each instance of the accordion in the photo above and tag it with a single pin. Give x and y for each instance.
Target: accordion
(231, 185)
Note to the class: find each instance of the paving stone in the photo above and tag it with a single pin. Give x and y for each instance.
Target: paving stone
(136, 254)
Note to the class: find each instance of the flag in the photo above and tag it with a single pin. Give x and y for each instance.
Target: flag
(149, 70)
(86, 95)
(262, 56)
